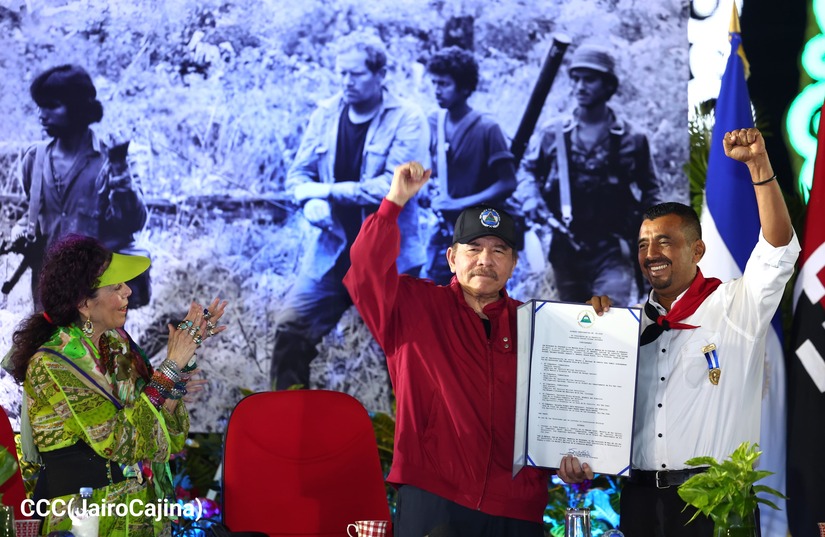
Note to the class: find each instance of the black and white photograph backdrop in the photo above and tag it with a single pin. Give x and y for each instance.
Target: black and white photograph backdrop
(214, 97)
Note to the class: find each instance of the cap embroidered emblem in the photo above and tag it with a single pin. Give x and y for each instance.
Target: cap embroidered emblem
(489, 218)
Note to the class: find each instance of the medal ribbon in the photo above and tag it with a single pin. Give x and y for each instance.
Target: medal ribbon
(712, 364)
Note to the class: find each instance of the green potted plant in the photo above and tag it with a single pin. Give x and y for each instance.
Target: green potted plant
(726, 492)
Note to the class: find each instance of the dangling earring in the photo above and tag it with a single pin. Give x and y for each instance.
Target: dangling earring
(88, 328)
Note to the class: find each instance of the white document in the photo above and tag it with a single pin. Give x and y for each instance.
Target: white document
(576, 385)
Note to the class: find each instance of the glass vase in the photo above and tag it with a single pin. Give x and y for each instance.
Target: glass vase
(735, 526)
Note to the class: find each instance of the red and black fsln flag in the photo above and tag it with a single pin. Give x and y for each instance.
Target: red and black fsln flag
(806, 367)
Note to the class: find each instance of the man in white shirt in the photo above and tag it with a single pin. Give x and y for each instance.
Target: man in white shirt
(702, 349)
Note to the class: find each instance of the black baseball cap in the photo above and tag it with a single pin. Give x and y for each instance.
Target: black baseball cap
(484, 220)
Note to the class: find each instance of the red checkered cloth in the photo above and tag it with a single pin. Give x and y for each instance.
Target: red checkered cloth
(27, 528)
(368, 528)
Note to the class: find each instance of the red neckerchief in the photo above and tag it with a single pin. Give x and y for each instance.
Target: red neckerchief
(698, 291)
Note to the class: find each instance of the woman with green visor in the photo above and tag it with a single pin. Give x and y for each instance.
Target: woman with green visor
(96, 412)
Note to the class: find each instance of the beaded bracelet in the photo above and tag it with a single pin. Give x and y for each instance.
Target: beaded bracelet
(171, 370)
(173, 393)
(180, 387)
(765, 182)
(170, 365)
(164, 381)
(160, 386)
(167, 383)
(154, 396)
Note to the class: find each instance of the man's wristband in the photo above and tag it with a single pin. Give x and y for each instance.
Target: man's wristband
(765, 182)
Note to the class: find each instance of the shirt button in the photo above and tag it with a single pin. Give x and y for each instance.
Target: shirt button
(663, 379)
(664, 351)
(660, 435)
(664, 466)
(505, 339)
(659, 405)
(506, 345)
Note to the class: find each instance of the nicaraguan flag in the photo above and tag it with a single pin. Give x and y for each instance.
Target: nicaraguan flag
(806, 365)
(730, 229)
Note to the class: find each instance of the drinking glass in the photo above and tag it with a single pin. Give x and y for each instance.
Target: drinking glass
(577, 522)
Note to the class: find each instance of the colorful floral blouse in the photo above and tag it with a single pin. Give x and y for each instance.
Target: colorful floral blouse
(74, 395)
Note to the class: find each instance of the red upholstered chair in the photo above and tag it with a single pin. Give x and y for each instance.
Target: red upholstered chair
(301, 462)
(13, 490)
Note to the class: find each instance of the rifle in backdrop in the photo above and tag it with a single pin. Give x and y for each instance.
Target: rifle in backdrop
(544, 82)
(530, 118)
(23, 245)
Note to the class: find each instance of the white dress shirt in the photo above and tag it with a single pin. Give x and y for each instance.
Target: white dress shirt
(680, 414)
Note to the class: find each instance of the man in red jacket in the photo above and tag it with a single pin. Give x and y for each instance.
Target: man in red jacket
(451, 354)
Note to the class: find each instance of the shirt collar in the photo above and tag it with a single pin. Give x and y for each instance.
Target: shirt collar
(617, 124)
(661, 309)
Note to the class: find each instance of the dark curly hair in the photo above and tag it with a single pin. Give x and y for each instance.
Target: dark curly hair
(71, 86)
(458, 63)
(70, 272)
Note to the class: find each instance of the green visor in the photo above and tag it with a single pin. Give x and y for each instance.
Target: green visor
(122, 269)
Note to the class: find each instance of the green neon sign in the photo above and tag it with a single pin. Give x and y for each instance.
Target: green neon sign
(803, 114)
